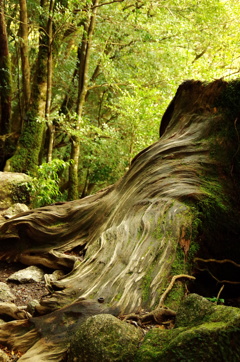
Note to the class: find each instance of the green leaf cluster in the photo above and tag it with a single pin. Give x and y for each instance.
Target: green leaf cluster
(45, 184)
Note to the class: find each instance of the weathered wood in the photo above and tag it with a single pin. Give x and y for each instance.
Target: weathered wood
(179, 199)
(47, 338)
(11, 310)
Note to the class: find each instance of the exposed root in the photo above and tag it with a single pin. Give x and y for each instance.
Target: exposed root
(174, 278)
(161, 315)
(11, 310)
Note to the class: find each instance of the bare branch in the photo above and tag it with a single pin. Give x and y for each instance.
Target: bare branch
(221, 261)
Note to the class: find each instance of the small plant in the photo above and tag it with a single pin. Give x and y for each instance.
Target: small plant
(44, 187)
(216, 300)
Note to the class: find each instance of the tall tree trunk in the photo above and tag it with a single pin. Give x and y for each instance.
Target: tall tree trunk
(51, 127)
(26, 157)
(82, 91)
(5, 76)
(26, 82)
(176, 211)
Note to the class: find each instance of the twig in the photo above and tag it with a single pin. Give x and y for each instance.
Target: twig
(219, 293)
(222, 261)
(215, 278)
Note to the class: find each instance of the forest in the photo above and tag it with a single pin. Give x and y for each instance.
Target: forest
(124, 118)
(84, 83)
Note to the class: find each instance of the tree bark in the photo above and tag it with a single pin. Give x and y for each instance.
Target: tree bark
(5, 76)
(26, 82)
(51, 127)
(173, 214)
(27, 155)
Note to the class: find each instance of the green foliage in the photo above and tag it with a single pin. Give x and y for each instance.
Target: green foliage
(134, 71)
(216, 300)
(45, 184)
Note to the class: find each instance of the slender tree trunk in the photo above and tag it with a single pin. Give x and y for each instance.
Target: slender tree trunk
(82, 91)
(5, 76)
(26, 83)
(51, 127)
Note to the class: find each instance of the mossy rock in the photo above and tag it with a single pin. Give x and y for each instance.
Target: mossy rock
(13, 189)
(205, 332)
(104, 338)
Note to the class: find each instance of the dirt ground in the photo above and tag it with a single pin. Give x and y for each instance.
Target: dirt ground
(23, 292)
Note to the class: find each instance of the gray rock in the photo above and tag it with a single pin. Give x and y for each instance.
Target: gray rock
(103, 337)
(14, 210)
(13, 189)
(32, 274)
(31, 307)
(5, 293)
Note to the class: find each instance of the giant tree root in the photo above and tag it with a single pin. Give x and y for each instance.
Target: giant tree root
(48, 337)
(11, 310)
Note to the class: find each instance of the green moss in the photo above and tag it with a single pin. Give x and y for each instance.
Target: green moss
(104, 338)
(20, 193)
(57, 224)
(146, 289)
(193, 311)
(158, 232)
(26, 157)
(178, 265)
(205, 333)
(175, 296)
(118, 297)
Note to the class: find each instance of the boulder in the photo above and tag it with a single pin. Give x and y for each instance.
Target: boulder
(13, 189)
(204, 332)
(32, 274)
(104, 338)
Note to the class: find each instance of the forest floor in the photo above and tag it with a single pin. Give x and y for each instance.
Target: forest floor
(24, 292)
